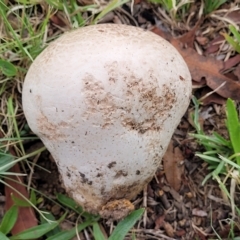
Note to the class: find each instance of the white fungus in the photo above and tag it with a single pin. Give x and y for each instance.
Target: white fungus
(105, 100)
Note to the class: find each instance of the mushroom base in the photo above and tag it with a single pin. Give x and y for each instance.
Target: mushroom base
(116, 209)
(113, 205)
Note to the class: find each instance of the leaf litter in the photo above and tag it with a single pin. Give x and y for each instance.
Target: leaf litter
(202, 67)
(15, 188)
(173, 166)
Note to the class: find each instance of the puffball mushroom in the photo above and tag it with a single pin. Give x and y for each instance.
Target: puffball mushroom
(105, 100)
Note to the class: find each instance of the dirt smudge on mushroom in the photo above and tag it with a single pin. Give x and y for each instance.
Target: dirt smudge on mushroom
(98, 101)
(48, 129)
(150, 110)
(112, 73)
(121, 173)
(111, 164)
(92, 201)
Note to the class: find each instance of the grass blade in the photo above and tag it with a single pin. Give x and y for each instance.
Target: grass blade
(110, 7)
(233, 127)
(235, 33)
(9, 220)
(50, 217)
(233, 164)
(7, 68)
(6, 162)
(97, 232)
(69, 234)
(232, 42)
(21, 202)
(207, 158)
(3, 236)
(70, 203)
(35, 232)
(126, 224)
(222, 140)
(38, 231)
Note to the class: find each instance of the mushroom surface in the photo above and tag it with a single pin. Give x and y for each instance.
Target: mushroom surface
(105, 100)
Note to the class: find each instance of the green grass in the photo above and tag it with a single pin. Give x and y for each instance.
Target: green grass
(222, 154)
(233, 39)
(178, 9)
(49, 226)
(212, 5)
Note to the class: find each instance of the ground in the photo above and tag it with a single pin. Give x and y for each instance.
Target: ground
(178, 204)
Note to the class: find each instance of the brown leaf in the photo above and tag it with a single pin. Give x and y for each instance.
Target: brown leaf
(234, 16)
(58, 20)
(199, 84)
(237, 72)
(212, 98)
(200, 235)
(189, 37)
(159, 221)
(214, 44)
(137, 1)
(180, 233)
(207, 67)
(231, 62)
(172, 166)
(169, 229)
(26, 216)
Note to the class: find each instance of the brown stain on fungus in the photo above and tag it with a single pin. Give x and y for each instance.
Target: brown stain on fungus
(181, 78)
(84, 179)
(111, 164)
(50, 130)
(96, 203)
(144, 105)
(121, 173)
(138, 172)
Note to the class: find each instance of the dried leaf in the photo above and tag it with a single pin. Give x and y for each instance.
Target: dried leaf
(169, 229)
(212, 98)
(172, 166)
(231, 62)
(26, 216)
(207, 67)
(200, 84)
(189, 37)
(58, 20)
(215, 44)
(137, 1)
(234, 16)
(237, 72)
(159, 221)
(180, 233)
